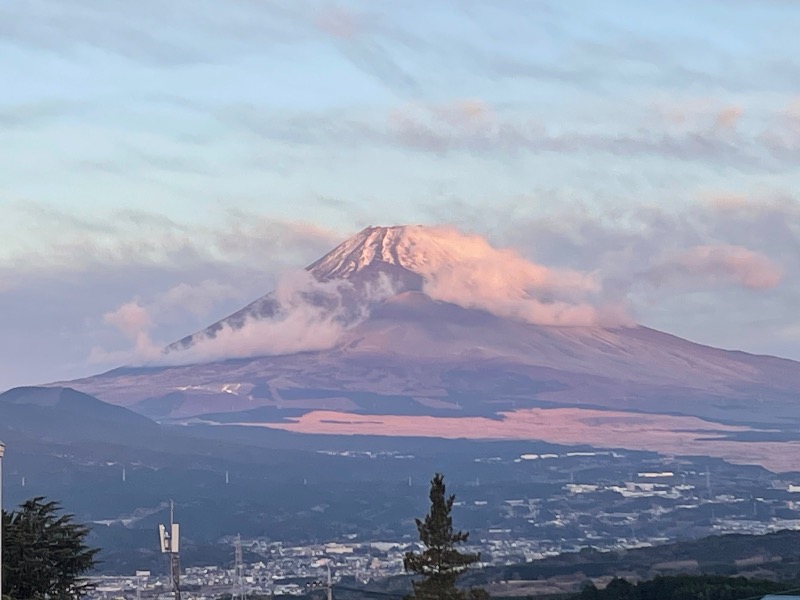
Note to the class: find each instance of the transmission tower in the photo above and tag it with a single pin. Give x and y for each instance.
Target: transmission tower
(238, 592)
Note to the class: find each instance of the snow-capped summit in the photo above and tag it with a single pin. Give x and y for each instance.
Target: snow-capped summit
(418, 248)
(391, 245)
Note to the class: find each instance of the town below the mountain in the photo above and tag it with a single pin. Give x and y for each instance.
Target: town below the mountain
(578, 501)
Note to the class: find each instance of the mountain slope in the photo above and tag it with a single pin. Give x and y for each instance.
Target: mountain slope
(440, 353)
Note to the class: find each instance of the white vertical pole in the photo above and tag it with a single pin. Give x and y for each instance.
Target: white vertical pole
(330, 583)
(2, 450)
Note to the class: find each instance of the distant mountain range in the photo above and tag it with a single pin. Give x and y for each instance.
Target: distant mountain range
(408, 323)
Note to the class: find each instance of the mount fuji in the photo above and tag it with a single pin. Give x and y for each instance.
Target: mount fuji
(426, 331)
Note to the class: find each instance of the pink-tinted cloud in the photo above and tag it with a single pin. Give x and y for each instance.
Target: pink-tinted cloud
(728, 118)
(131, 319)
(698, 114)
(135, 322)
(717, 264)
(466, 270)
(136, 318)
(339, 22)
(463, 124)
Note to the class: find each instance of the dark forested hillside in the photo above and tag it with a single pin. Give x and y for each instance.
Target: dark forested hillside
(684, 587)
(774, 556)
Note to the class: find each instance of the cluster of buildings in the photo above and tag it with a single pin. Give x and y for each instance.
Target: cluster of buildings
(601, 499)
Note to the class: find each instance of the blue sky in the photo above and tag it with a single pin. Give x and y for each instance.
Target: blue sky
(207, 146)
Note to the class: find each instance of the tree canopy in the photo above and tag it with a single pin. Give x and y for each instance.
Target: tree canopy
(440, 563)
(44, 553)
(683, 587)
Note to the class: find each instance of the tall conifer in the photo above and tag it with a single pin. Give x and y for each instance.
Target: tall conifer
(45, 556)
(440, 563)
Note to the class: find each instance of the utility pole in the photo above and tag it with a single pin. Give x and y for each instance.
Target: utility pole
(328, 585)
(170, 544)
(2, 451)
(175, 547)
(330, 582)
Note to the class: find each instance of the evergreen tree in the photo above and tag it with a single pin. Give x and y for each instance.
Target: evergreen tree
(440, 563)
(44, 553)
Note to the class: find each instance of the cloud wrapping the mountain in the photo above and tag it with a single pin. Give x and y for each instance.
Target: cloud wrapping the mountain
(300, 325)
(302, 328)
(466, 270)
(311, 315)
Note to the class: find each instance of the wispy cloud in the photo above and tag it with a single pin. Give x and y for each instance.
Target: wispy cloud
(74, 243)
(147, 32)
(473, 126)
(713, 265)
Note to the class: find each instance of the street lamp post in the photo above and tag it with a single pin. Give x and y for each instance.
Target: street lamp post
(2, 450)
